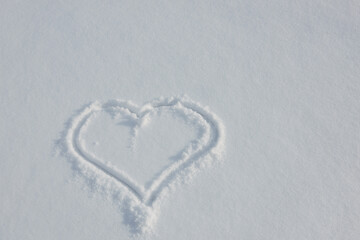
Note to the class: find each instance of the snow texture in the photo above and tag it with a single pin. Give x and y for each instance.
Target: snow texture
(140, 204)
(283, 77)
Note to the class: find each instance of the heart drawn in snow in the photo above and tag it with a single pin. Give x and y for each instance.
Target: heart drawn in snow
(208, 145)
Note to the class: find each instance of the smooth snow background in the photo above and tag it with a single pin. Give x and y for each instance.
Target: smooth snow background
(282, 75)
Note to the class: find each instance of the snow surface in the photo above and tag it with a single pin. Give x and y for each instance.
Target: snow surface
(105, 131)
(139, 202)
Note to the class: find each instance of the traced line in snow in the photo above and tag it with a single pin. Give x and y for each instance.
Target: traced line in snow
(210, 144)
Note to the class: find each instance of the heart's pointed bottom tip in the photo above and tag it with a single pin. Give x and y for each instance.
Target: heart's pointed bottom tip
(140, 218)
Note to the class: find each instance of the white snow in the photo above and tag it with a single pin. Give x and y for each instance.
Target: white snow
(139, 201)
(281, 77)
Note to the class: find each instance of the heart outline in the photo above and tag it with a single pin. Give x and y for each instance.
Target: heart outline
(214, 147)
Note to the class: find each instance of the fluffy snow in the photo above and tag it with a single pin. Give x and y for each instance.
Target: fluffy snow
(179, 119)
(139, 201)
